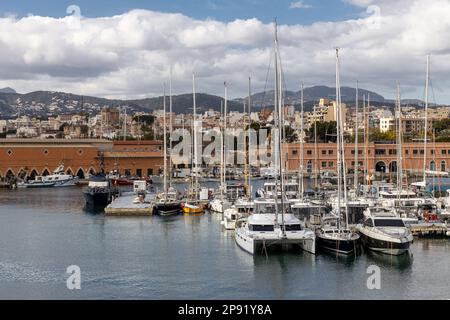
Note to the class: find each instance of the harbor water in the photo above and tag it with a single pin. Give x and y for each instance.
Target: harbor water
(43, 231)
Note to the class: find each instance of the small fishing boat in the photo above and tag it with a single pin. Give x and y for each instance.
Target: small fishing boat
(192, 208)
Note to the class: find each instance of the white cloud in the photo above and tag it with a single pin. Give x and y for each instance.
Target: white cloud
(129, 55)
(299, 5)
(359, 3)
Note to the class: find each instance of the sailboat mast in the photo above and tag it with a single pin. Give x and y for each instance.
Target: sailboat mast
(276, 120)
(249, 173)
(165, 141)
(399, 144)
(316, 161)
(225, 111)
(302, 190)
(356, 166)
(170, 129)
(366, 142)
(222, 151)
(195, 132)
(427, 83)
(338, 140)
(125, 124)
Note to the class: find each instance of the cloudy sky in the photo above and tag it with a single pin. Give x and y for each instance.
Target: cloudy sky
(125, 49)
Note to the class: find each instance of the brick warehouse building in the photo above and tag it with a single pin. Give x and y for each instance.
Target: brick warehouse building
(79, 157)
(382, 157)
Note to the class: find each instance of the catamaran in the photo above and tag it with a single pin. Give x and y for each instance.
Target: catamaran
(272, 223)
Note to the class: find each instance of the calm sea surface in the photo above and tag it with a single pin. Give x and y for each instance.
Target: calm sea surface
(43, 231)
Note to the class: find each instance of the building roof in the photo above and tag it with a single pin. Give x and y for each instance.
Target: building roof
(138, 142)
(132, 154)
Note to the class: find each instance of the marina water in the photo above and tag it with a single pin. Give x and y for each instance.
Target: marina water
(43, 231)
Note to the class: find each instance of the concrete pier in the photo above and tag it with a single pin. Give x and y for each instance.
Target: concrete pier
(124, 206)
(436, 229)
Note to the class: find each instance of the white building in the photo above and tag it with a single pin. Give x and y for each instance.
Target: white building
(387, 124)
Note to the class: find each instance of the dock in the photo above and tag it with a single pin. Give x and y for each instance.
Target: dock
(437, 229)
(124, 206)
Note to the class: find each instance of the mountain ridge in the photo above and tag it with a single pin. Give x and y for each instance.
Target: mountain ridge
(49, 103)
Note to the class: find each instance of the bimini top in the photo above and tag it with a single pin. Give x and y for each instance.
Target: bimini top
(269, 219)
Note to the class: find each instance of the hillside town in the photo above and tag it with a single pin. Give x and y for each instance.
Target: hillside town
(116, 124)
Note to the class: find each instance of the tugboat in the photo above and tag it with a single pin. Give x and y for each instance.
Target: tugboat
(100, 191)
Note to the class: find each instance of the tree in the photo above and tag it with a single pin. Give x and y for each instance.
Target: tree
(441, 125)
(326, 132)
(145, 119)
(377, 135)
(290, 134)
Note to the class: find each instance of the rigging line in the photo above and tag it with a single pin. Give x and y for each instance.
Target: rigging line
(432, 93)
(267, 80)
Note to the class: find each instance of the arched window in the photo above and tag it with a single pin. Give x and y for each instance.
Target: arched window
(45, 172)
(393, 166)
(380, 167)
(69, 172)
(33, 174)
(80, 173)
(432, 165)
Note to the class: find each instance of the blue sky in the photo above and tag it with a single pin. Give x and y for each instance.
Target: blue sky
(223, 10)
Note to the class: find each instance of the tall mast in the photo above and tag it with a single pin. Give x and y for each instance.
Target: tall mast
(249, 191)
(275, 113)
(225, 111)
(165, 142)
(125, 124)
(338, 139)
(278, 144)
(195, 132)
(366, 141)
(316, 161)
(170, 129)
(302, 190)
(399, 144)
(222, 151)
(356, 166)
(427, 83)
(276, 93)
(342, 168)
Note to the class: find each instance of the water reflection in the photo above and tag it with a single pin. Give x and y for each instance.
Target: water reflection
(400, 262)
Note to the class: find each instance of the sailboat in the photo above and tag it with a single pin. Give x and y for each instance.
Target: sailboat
(193, 205)
(243, 206)
(221, 203)
(166, 202)
(303, 208)
(273, 224)
(331, 236)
